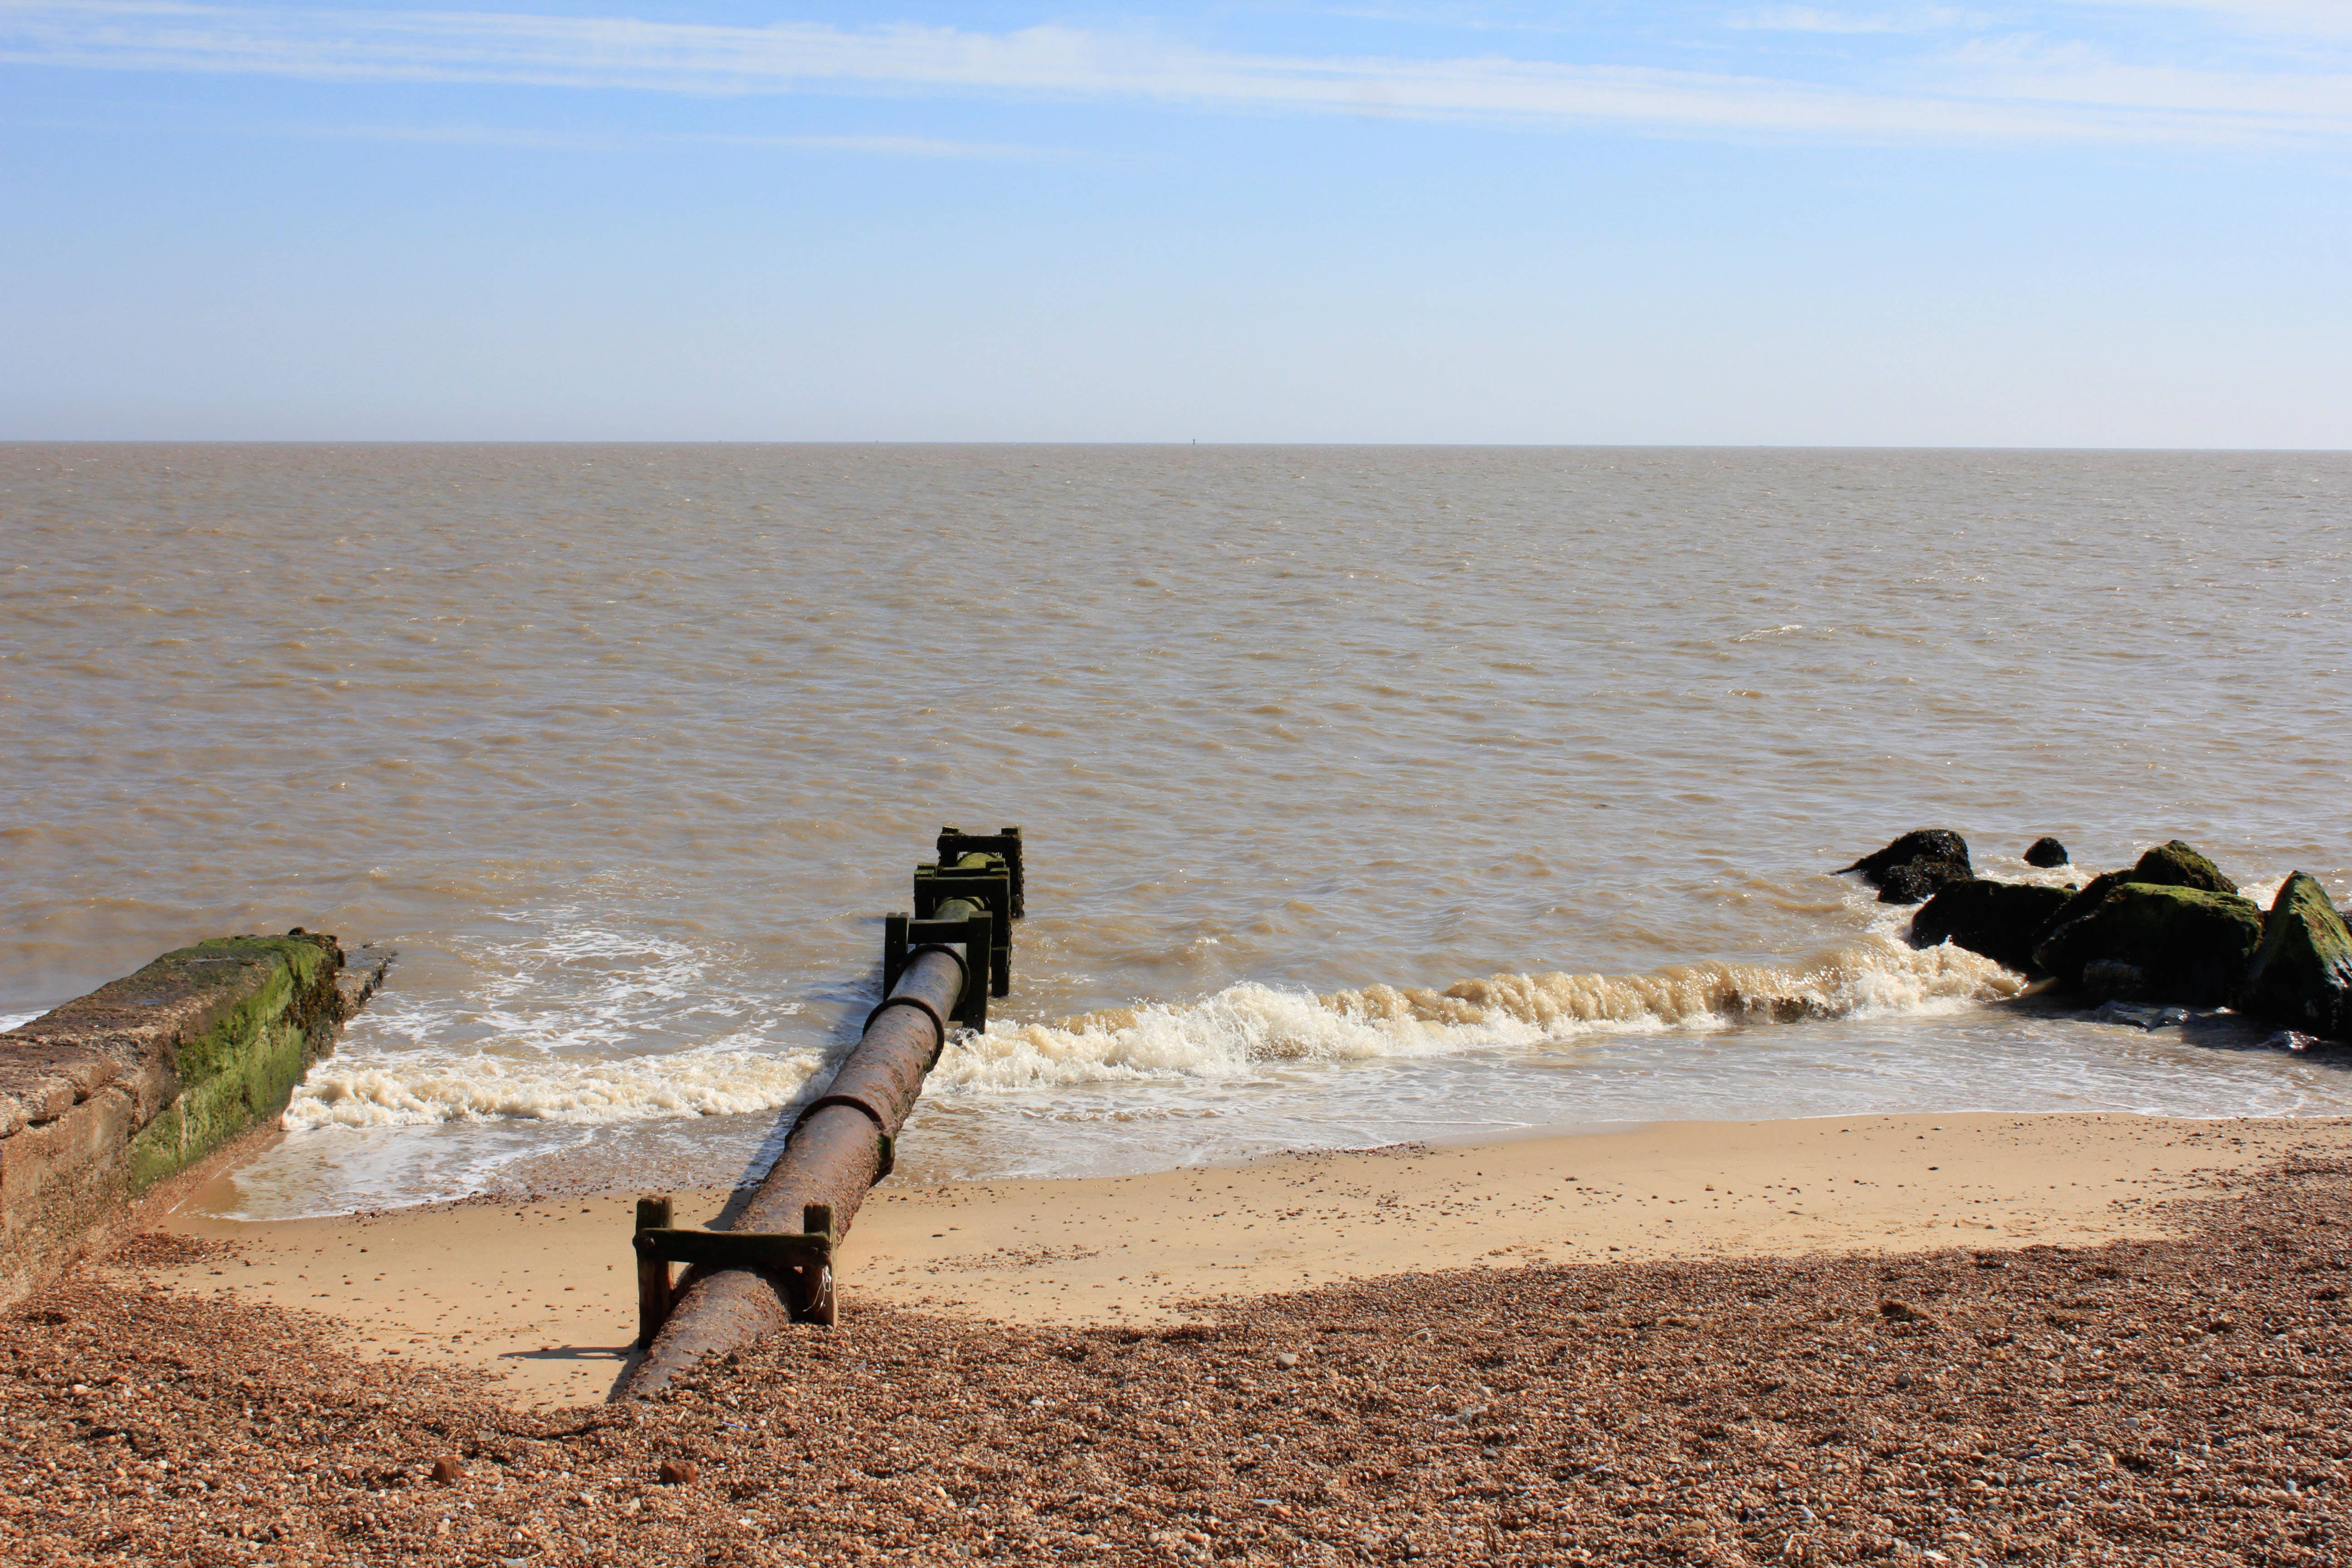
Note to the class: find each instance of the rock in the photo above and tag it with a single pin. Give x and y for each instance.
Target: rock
(1931, 844)
(2179, 865)
(2301, 976)
(1919, 881)
(2046, 853)
(2173, 865)
(446, 1470)
(2113, 980)
(2138, 1018)
(678, 1472)
(2003, 921)
(2190, 946)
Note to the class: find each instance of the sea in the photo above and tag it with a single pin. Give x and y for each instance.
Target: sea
(1370, 794)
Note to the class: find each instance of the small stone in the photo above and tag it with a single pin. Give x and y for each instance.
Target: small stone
(678, 1472)
(2046, 853)
(446, 1470)
(1902, 1312)
(1285, 1359)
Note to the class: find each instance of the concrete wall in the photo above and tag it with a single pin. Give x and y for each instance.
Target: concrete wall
(108, 1095)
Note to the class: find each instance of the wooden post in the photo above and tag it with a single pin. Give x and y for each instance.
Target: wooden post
(653, 1273)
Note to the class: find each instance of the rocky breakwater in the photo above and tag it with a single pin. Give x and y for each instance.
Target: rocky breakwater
(2170, 930)
(104, 1096)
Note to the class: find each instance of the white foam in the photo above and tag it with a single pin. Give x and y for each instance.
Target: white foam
(11, 1020)
(424, 1088)
(1248, 1029)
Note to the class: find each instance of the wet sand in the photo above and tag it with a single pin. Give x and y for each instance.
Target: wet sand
(543, 1293)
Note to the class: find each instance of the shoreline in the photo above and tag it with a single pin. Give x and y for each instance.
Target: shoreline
(2177, 1399)
(539, 1292)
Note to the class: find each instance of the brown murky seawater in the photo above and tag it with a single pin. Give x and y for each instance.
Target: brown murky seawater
(628, 748)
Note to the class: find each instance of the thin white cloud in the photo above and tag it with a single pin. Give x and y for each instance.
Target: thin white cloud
(2026, 70)
(1069, 63)
(1816, 20)
(576, 140)
(2315, 18)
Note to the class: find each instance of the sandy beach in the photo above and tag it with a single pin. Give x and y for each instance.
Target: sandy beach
(1978, 1340)
(542, 1293)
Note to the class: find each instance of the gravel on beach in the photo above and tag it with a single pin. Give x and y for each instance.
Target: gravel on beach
(2179, 1402)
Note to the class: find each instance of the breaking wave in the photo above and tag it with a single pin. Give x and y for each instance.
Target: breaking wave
(1243, 1029)
(408, 1092)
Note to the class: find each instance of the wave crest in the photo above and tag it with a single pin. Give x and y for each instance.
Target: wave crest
(1247, 1028)
(408, 1092)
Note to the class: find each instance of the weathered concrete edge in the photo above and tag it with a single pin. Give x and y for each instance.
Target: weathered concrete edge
(106, 1096)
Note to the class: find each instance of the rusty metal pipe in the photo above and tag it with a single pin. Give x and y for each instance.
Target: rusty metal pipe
(841, 1145)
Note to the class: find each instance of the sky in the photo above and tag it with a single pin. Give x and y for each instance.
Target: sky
(2113, 223)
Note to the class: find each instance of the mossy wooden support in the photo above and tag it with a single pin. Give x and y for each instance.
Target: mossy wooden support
(954, 844)
(654, 1281)
(904, 939)
(800, 1261)
(985, 881)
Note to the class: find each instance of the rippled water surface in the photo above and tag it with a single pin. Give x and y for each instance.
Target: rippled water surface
(628, 748)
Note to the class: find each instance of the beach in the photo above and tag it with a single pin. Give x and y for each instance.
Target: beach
(1436, 971)
(540, 1293)
(1373, 796)
(1987, 1338)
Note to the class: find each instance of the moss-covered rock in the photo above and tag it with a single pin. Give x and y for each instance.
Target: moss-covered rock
(2173, 865)
(2003, 921)
(2180, 865)
(2301, 976)
(2176, 944)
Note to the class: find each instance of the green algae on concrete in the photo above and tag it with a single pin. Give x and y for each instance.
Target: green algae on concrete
(106, 1096)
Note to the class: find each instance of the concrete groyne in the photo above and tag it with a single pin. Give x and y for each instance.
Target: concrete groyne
(102, 1098)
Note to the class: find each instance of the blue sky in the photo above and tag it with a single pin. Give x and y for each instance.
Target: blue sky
(2112, 223)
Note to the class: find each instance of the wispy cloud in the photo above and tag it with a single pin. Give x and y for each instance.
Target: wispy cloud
(2022, 99)
(2314, 18)
(1816, 20)
(593, 141)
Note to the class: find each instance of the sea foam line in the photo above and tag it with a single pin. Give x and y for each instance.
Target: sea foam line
(1245, 1029)
(421, 1088)
(1240, 1032)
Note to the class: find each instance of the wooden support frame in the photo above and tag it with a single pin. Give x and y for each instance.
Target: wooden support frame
(801, 1260)
(653, 1283)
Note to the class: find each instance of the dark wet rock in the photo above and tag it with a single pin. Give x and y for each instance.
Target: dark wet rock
(1919, 881)
(2114, 982)
(2046, 853)
(2301, 976)
(2179, 865)
(1911, 869)
(2173, 865)
(1931, 844)
(2003, 921)
(2140, 1018)
(2190, 947)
